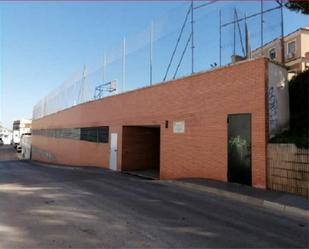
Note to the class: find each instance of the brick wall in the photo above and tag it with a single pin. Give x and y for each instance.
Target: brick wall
(69, 152)
(202, 101)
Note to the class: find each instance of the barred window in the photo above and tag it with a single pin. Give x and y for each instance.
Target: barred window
(272, 54)
(103, 134)
(94, 134)
(90, 134)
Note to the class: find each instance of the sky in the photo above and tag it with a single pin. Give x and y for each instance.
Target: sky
(44, 43)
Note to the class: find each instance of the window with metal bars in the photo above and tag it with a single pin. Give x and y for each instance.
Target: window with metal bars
(90, 134)
(95, 134)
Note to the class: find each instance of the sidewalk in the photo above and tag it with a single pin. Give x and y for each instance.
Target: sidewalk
(289, 204)
(282, 202)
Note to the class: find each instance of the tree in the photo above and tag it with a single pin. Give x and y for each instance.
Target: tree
(298, 132)
(298, 6)
(299, 97)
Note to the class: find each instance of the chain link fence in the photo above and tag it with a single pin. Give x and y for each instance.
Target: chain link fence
(193, 37)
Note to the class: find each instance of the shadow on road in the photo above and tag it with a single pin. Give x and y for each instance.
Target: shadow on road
(59, 207)
(7, 152)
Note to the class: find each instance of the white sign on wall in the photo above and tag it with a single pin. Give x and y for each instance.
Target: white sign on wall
(179, 127)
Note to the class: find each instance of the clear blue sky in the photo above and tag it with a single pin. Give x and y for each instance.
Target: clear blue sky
(43, 43)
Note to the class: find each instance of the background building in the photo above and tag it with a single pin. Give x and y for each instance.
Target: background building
(296, 51)
(5, 135)
(20, 127)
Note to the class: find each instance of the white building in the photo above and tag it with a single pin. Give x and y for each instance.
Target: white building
(5, 135)
(295, 49)
(21, 126)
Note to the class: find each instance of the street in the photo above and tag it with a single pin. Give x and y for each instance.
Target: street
(66, 207)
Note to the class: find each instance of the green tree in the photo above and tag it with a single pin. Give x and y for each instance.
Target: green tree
(298, 132)
(298, 6)
(299, 103)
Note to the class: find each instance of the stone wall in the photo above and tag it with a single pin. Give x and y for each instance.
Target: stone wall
(288, 169)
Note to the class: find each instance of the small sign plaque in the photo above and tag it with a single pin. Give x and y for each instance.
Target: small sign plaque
(179, 127)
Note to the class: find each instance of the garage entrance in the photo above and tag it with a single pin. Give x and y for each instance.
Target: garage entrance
(141, 150)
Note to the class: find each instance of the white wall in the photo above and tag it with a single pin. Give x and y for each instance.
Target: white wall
(6, 136)
(278, 99)
(304, 43)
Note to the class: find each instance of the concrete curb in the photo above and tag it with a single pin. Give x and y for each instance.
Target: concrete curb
(289, 210)
(138, 175)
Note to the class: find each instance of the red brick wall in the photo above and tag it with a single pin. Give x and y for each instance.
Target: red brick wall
(140, 148)
(70, 152)
(203, 101)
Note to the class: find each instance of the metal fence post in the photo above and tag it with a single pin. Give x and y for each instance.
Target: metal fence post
(81, 95)
(104, 68)
(124, 65)
(192, 37)
(234, 36)
(262, 27)
(151, 52)
(282, 33)
(220, 38)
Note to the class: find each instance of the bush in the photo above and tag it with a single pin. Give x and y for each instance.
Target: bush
(299, 106)
(288, 138)
(299, 112)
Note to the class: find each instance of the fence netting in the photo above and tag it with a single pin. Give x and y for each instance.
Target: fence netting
(193, 37)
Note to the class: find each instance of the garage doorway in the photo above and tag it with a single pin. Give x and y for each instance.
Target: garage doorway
(141, 150)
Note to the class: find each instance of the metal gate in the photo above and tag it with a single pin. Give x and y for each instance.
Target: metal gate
(239, 148)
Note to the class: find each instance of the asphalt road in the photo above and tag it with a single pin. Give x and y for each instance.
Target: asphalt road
(60, 207)
(7, 153)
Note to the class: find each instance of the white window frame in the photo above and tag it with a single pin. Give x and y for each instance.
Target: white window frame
(287, 46)
(273, 48)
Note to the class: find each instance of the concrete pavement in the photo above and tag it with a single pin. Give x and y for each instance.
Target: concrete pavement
(288, 204)
(66, 207)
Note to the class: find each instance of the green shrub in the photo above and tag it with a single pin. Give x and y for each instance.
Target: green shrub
(298, 133)
(299, 106)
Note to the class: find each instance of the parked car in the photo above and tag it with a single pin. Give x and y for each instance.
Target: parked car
(18, 148)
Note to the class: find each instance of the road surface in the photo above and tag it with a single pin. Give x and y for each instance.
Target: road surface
(62, 207)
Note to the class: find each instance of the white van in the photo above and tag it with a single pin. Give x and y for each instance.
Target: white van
(25, 146)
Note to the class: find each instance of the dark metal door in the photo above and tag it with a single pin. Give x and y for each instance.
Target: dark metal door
(239, 148)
